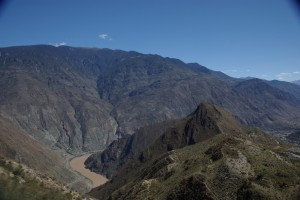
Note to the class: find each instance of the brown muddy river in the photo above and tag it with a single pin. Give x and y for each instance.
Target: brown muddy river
(77, 164)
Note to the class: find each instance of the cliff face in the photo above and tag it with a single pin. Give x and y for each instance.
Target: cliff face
(120, 151)
(51, 93)
(81, 99)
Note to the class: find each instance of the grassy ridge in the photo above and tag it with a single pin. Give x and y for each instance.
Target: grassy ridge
(228, 166)
(226, 161)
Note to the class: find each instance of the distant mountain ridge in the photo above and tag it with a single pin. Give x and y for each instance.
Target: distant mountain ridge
(286, 86)
(296, 82)
(82, 99)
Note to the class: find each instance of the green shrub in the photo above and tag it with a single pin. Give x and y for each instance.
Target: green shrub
(18, 171)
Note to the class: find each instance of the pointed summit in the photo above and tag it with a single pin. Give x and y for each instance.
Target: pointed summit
(209, 119)
(205, 122)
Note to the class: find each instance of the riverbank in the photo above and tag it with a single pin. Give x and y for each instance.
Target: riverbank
(77, 164)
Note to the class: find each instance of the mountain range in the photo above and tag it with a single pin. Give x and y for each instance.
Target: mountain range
(59, 102)
(81, 99)
(297, 82)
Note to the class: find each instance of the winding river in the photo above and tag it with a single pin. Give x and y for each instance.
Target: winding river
(77, 164)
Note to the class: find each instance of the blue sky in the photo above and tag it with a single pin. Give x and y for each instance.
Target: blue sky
(258, 38)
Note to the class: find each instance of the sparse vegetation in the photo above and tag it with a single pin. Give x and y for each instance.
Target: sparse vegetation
(234, 165)
(11, 189)
(18, 171)
(16, 185)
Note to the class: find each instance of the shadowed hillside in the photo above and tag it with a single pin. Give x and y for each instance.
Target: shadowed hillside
(207, 121)
(127, 148)
(225, 161)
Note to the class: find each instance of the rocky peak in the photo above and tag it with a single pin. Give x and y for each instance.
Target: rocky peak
(208, 120)
(204, 123)
(208, 116)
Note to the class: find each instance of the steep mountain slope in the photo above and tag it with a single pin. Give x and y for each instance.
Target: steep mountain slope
(294, 137)
(81, 99)
(51, 93)
(149, 84)
(227, 161)
(177, 134)
(286, 86)
(269, 105)
(18, 181)
(107, 162)
(207, 121)
(143, 85)
(151, 88)
(297, 82)
(19, 146)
